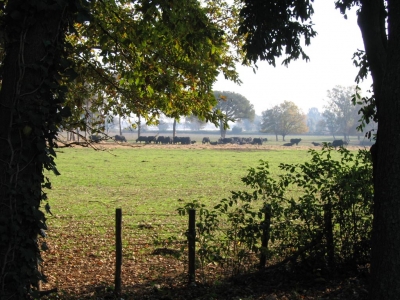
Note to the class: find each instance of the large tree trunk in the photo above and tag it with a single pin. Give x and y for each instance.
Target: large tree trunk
(28, 114)
(385, 263)
(384, 61)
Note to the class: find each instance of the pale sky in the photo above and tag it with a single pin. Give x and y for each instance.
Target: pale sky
(306, 84)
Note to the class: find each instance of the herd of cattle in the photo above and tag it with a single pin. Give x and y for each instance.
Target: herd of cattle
(206, 140)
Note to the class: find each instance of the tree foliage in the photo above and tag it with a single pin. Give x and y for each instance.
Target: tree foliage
(125, 70)
(234, 107)
(274, 28)
(283, 119)
(319, 214)
(340, 113)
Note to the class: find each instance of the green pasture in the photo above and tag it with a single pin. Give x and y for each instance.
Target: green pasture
(150, 183)
(151, 180)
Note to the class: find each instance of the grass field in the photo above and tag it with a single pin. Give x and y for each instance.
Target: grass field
(152, 180)
(149, 183)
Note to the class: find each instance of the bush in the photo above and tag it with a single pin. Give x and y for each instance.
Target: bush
(318, 212)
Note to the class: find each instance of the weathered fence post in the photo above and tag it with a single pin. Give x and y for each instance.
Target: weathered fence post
(118, 250)
(192, 245)
(265, 235)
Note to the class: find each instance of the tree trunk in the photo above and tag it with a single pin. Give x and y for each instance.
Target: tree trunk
(139, 126)
(28, 114)
(174, 130)
(385, 260)
(221, 129)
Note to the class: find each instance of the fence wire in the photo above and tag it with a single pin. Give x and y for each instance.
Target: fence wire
(154, 246)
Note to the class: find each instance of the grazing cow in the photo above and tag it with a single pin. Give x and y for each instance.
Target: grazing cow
(257, 141)
(338, 143)
(167, 140)
(176, 140)
(95, 138)
(163, 140)
(288, 144)
(120, 138)
(185, 140)
(193, 142)
(248, 140)
(141, 139)
(213, 143)
(295, 141)
(206, 140)
(316, 144)
(152, 138)
(236, 140)
(225, 140)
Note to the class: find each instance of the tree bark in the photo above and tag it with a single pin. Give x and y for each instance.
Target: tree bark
(385, 260)
(28, 112)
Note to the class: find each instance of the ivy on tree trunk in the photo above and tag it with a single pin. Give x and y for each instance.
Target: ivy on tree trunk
(31, 108)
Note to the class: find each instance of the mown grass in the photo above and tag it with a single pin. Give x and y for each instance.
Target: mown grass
(144, 180)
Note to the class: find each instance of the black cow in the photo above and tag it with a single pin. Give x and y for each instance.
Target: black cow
(151, 138)
(338, 143)
(236, 140)
(167, 140)
(248, 140)
(225, 141)
(206, 140)
(213, 143)
(120, 138)
(163, 140)
(316, 144)
(95, 138)
(288, 144)
(295, 141)
(141, 139)
(185, 140)
(176, 140)
(257, 141)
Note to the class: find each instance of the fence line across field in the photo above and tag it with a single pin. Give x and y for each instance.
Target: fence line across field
(133, 242)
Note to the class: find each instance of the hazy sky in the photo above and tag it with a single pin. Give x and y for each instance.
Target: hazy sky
(306, 84)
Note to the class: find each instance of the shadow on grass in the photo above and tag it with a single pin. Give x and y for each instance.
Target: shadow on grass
(269, 284)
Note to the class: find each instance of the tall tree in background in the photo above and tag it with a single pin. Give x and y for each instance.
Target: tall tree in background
(284, 119)
(313, 117)
(141, 57)
(195, 123)
(330, 122)
(271, 30)
(234, 107)
(340, 112)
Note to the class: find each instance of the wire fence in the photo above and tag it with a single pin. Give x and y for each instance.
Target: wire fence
(82, 252)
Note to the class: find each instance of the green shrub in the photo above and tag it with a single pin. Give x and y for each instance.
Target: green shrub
(319, 211)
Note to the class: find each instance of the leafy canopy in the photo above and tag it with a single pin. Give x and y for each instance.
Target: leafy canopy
(147, 58)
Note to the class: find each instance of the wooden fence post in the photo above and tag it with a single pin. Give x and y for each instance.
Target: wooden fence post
(192, 246)
(118, 250)
(265, 235)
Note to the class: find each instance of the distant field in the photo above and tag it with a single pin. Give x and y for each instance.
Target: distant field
(155, 178)
(214, 136)
(151, 178)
